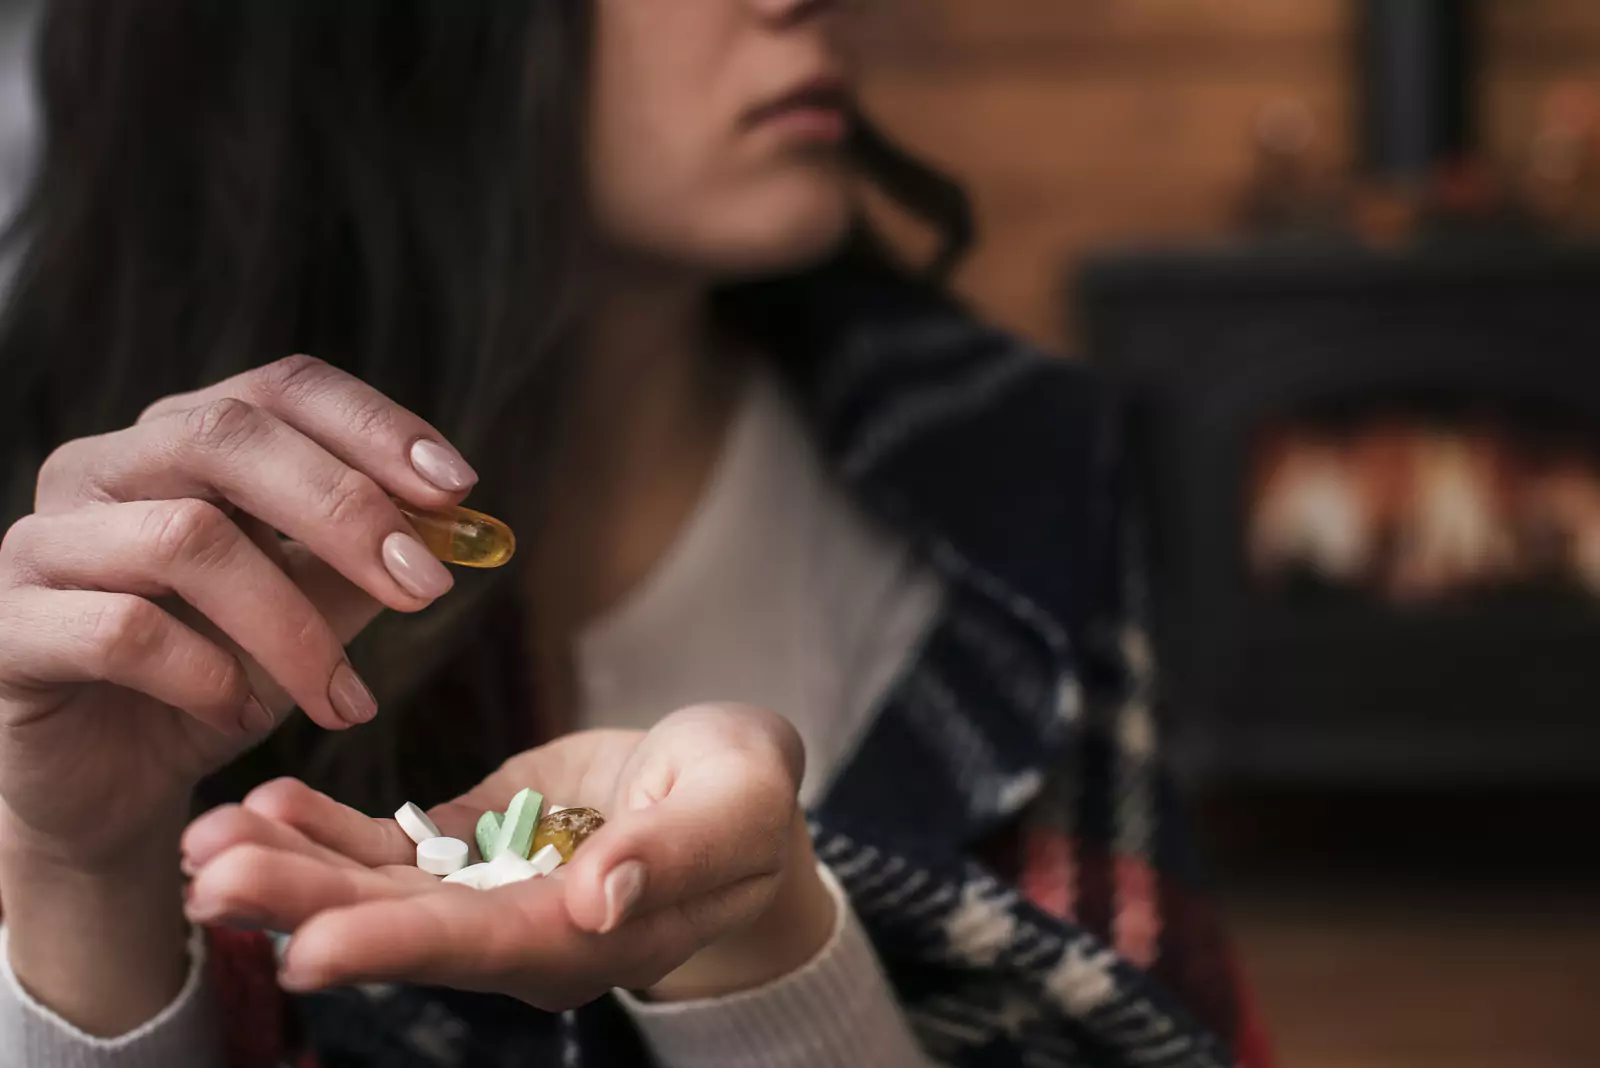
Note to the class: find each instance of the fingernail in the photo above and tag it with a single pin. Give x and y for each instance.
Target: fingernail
(254, 717)
(205, 914)
(442, 465)
(350, 697)
(214, 916)
(295, 982)
(624, 887)
(414, 567)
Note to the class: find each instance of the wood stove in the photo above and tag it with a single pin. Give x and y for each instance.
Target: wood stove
(1373, 474)
(1407, 366)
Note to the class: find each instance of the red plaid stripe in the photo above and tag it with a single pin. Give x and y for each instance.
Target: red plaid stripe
(244, 977)
(1073, 880)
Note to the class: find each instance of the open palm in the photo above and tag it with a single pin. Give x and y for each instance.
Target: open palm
(700, 812)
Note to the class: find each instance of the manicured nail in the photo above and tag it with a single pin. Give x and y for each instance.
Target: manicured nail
(624, 887)
(442, 465)
(350, 697)
(417, 571)
(254, 717)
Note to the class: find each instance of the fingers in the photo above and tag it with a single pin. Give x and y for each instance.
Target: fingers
(369, 842)
(461, 939)
(229, 450)
(346, 831)
(354, 924)
(192, 549)
(228, 826)
(515, 940)
(350, 419)
(726, 823)
(280, 890)
(70, 636)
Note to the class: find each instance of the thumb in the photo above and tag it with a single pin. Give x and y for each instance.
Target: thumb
(724, 823)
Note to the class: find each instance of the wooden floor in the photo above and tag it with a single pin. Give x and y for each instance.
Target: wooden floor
(1395, 984)
(1361, 961)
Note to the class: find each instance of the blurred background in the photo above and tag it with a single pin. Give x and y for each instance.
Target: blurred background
(1344, 252)
(1346, 256)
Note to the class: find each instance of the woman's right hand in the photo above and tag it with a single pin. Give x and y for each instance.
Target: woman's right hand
(153, 624)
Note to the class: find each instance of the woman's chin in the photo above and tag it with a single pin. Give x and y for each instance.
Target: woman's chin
(777, 250)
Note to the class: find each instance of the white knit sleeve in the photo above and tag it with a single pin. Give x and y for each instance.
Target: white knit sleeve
(837, 1010)
(184, 1033)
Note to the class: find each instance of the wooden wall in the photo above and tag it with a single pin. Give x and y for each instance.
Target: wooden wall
(1081, 123)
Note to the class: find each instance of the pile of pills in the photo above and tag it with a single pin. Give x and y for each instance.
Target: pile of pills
(519, 843)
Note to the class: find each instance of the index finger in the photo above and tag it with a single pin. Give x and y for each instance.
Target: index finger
(397, 448)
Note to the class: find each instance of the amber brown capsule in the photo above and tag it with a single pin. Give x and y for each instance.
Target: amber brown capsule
(566, 829)
(461, 536)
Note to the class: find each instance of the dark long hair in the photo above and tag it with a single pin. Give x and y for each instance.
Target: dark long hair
(393, 185)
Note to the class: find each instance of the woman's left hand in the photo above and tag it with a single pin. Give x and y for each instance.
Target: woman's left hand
(701, 882)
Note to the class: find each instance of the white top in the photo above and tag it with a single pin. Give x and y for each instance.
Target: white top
(779, 593)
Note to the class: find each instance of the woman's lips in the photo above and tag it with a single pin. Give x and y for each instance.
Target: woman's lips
(818, 110)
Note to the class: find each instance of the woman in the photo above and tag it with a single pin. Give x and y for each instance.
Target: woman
(612, 252)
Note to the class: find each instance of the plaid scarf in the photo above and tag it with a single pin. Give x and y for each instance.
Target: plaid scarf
(1005, 830)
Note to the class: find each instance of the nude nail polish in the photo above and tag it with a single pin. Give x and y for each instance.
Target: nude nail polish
(442, 466)
(350, 697)
(417, 570)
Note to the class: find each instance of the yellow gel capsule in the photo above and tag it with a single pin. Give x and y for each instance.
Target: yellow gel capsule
(462, 536)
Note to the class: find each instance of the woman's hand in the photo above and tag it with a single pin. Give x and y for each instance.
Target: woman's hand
(703, 836)
(153, 625)
(149, 595)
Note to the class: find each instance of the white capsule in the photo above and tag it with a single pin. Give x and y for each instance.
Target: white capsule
(547, 860)
(476, 876)
(442, 856)
(415, 822)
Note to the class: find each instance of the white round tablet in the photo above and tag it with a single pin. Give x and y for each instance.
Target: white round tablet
(442, 856)
(415, 822)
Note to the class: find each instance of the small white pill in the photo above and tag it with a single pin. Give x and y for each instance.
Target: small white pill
(547, 860)
(442, 856)
(551, 810)
(508, 868)
(415, 822)
(476, 876)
